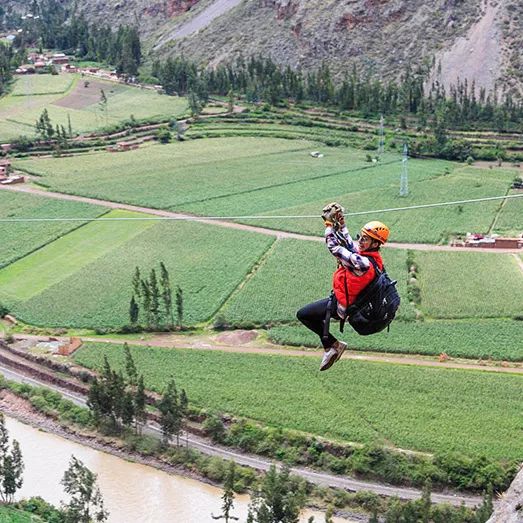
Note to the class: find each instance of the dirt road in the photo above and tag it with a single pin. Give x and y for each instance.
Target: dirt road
(238, 342)
(233, 225)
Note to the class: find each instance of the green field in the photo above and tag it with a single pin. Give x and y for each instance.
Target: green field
(296, 273)
(32, 94)
(470, 285)
(84, 279)
(486, 339)
(38, 84)
(19, 239)
(268, 176)
(426, 409)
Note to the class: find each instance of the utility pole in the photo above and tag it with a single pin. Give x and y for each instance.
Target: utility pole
(404, 182)
(381, 146)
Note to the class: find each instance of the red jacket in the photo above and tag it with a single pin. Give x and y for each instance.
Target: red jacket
(344, 280)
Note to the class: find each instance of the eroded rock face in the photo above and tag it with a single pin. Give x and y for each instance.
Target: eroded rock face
(509, 508)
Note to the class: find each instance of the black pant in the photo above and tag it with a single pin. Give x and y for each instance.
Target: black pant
(313, 317)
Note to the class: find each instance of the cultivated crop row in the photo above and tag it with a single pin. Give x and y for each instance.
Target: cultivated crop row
(424, 409)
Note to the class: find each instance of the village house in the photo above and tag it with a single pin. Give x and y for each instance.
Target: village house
(59, 59)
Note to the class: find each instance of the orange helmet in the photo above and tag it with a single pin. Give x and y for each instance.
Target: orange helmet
(377, 231)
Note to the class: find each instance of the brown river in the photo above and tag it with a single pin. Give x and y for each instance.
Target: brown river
(133, 493)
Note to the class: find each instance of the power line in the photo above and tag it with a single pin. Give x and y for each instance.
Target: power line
(183, 217)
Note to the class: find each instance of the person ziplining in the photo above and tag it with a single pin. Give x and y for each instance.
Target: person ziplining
(362, 294)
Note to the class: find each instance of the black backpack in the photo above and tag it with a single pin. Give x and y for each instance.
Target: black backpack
(376, 306)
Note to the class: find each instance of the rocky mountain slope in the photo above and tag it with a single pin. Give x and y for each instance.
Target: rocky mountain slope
(480, 40)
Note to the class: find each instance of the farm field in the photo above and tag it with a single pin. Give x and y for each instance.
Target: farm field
(425, 409)
(510, 220)
(19, 239)
(485, 339)
(271, 176)
(453, 285)
(66, 97)
(295, 273)
(470, 285)
(83, 280)
(38, 84)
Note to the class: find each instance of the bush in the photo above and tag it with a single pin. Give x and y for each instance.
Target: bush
(163, 136)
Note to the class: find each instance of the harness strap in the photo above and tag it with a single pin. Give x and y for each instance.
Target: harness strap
(367, 292)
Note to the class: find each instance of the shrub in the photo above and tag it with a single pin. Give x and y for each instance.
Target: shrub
(163, 136)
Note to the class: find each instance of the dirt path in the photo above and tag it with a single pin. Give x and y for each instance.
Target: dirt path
(248, 342)
(234, 225)
(213, 11)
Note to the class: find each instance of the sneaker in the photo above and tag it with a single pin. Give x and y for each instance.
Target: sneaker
(329, 357)
(340, 347)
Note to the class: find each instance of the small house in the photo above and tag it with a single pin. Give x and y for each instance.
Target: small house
(59, 59)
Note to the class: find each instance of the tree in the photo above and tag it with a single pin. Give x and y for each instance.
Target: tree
(134, 311)
(230, 101)
(44, 127)
(11, 464)
(102, 104)
(86, 504)
(195, 104)
(279, 499)
(140, 414)
(155, 298)
(228, 495)
(170, 414)
(146, 301)
(179, 306)
(167, 294)
(130, 367)
(137, 282)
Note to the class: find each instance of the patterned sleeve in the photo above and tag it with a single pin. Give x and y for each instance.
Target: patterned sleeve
(341, 246)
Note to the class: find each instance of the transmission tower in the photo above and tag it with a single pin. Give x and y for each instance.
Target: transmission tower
(404, 182)
(381, 146)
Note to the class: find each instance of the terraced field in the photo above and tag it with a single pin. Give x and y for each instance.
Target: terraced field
(425, 409)
(271, 176)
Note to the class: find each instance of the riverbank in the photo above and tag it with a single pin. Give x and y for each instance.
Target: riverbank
(22, 410)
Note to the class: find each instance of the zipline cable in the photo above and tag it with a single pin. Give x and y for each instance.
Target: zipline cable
(183, 217)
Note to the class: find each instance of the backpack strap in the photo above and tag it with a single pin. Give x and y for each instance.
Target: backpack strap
(367, 292)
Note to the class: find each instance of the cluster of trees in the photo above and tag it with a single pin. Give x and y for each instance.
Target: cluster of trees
(118, 401)
(152, 303)
(55, 25)
(46, 131)
(10, 59)
(11, 464)
(259, 78)
(86, 501)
